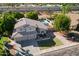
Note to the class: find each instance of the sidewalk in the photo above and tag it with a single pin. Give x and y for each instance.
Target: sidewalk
(32, 50)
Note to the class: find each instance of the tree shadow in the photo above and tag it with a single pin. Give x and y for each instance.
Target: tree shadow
(77, 28)
(73, 37)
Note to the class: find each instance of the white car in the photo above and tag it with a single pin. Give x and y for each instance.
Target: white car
(47, 21)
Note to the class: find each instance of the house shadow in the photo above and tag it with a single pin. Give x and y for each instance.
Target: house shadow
(73, 37)
(42, 42)
(25, 43)
(35, 43)
(48, 42)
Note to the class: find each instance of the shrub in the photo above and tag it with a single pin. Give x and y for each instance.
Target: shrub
(7, 24)
(55, 15)
(62, 22)
(32, 15)
(18, 15)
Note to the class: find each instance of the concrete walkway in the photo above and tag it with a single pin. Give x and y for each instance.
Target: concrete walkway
(33, 50)
(63, 39)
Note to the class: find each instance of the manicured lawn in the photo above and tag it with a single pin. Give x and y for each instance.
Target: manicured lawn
(44, 44)
(58, 42)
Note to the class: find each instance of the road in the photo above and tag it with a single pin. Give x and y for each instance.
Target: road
(69, 51)
(37, 8)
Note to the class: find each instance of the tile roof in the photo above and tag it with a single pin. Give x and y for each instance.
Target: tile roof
(26, 21)
(23, 23)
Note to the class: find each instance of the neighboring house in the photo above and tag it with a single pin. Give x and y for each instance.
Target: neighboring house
(26, 29)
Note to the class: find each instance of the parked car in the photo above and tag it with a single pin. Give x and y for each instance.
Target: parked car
(47, 22)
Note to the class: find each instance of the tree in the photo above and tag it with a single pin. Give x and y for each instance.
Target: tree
(66, 8)
(7, 24)
(1, 21)
(18, 15)
(32, 15)
(62, 22)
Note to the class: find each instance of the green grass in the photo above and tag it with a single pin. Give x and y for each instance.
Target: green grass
(58, 42)
(44, 44)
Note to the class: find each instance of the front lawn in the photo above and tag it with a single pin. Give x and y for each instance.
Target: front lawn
(44, 44)
(58, 42)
